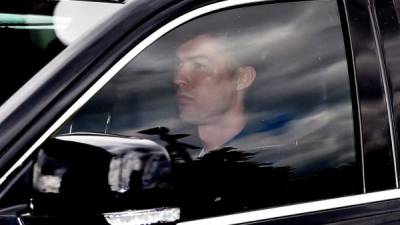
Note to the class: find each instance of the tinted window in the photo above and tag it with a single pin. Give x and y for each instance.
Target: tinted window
(253, 105)
(33, 32)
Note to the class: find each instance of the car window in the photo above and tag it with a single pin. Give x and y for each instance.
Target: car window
(253, 106)
(34, 32)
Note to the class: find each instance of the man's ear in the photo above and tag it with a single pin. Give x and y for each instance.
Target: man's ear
(245, 75)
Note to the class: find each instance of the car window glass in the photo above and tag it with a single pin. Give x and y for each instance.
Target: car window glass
(252, 104)
(34, 32)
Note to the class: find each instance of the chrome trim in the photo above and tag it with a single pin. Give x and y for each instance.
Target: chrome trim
(143, 216)
(357, 97)
(385, 82)
(267, 214)
(118, 66)
(20, 222)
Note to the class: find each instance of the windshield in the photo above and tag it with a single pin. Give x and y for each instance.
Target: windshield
(33, 32)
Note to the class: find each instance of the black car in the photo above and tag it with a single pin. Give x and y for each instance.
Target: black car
(200, 112)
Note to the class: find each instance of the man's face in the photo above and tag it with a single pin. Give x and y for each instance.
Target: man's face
(206, 85)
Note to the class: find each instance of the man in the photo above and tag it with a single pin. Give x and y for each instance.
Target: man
(211, 85)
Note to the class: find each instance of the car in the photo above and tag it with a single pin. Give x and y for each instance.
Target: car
(200, 112)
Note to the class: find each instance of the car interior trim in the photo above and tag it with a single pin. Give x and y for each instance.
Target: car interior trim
(385, 82)
(296, 209)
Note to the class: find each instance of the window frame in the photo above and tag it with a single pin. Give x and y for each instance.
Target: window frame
(379, 166)
(388, 26)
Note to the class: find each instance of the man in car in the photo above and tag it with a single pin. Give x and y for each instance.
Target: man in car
(212, 83)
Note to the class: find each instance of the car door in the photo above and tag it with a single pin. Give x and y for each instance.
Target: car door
(261, 112)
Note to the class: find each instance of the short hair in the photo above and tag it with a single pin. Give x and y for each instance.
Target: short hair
(234, 35)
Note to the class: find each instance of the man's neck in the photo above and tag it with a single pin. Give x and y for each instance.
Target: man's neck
(228, 126)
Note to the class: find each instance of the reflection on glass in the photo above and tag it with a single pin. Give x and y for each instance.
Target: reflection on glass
(34, 32)
(253, 105)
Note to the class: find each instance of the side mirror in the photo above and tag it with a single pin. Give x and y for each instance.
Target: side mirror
(121, 178)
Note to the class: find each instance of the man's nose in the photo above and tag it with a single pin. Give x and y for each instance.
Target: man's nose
(181, 84)
(182, 80)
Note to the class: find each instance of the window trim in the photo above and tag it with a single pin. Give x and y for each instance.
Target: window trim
(296, 209)
(358, 130)
(372, 100)
(229, 219)
(383, 11)
(385, 82)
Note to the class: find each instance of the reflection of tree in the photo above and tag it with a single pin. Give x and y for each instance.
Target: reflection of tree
(177, 150)
(231, 180)
(226, 181)
(330, 183)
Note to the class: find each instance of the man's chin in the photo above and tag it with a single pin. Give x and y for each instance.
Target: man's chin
(189, 118)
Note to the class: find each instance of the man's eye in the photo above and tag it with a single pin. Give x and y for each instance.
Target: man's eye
(199, 66)
(179, 64)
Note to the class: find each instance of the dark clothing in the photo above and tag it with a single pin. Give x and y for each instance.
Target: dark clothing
(251, 137)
